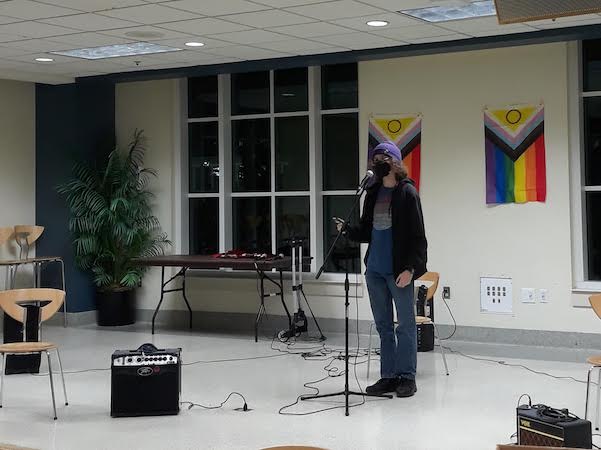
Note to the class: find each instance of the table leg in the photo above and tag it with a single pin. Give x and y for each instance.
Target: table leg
(62, 263)
(184, 295)
(261, 307)
(162, 295)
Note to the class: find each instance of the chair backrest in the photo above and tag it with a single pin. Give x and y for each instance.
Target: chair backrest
(595, 301)
(430, 278)
(32, 232)
(9, 299)
(5, 234)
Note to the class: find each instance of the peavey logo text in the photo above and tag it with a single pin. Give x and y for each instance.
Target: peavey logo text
(145, 371)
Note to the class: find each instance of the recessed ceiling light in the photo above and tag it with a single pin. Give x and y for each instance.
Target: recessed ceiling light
(44, 59)
(377, 23)
(194, 44)
(446, 13)
(114, 51)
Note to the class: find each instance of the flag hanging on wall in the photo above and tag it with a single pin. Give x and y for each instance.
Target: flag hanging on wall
(515, 154)
(406, 132)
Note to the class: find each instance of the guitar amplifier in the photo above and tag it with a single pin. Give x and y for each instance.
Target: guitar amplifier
(542, 426)
(145, 382)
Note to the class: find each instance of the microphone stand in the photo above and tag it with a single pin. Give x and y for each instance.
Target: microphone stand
(346, 392)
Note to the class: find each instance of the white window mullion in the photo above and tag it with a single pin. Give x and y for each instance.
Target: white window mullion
(272, 154)
(181, 226)
(315, 168)
(225, 163)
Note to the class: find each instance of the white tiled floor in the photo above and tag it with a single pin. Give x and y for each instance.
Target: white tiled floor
(471, 409)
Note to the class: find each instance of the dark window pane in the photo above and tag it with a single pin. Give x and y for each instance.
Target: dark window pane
(251, 155)
(202, 97)
(292, 219)
(340, 148)
(292, 153)
(290, 91)
(204, 226)
(593, 244)
(346, 252)
(203, 156)
(252, 224)
(339, 88)
(250, 93)
(592, 141)
(591, 58)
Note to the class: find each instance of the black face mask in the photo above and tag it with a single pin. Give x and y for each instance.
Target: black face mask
(381, 169)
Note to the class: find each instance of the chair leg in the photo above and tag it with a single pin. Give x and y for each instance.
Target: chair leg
(2, 380)
(51, 383)
(444, 358)
(588, 389)
(598, 399)
(369, 349)
(60, 366)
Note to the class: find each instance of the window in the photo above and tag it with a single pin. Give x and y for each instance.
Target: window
(591, 123)
(290, 148)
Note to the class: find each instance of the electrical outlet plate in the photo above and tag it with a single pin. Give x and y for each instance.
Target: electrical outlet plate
(496, 295)
(446, 292)
(542, 296)
(528, 295)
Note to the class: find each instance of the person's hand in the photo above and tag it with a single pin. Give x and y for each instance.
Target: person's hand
(404, 279)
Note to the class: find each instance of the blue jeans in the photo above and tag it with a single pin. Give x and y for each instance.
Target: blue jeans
(398, 357)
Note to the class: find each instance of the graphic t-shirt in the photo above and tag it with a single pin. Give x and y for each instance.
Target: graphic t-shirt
(380, 250)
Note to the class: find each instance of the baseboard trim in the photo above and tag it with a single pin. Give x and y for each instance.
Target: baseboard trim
(243, 324)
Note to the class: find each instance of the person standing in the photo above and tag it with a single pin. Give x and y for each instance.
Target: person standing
(392, 223)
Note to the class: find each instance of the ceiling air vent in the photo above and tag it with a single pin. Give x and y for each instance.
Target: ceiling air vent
(515, 11)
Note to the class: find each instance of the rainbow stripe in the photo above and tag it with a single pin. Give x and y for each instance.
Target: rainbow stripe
(515, 155)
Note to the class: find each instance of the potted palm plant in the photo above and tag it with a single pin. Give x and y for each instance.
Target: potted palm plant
(112, 224)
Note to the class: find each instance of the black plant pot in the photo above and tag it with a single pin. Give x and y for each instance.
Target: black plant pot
(115, 308)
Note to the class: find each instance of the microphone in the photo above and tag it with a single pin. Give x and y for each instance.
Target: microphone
(368, 176)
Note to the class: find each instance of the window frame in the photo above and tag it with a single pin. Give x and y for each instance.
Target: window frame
(225, 194)
(578, 187)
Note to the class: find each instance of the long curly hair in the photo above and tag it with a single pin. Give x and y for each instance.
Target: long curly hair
(399, 169)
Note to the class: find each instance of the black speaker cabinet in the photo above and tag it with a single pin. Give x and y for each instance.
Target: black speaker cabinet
(145, 384)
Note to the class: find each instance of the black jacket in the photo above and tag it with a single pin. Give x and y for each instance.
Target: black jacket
(409, 245)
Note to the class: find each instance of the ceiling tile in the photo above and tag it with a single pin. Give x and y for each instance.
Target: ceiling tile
(34, 30)
(30, 58)
(83, 40)
(322, 50)
(89, 22)
(30, 10)
(184, 56)
(340, 9)
(294, 45)
(204, 26)
(11, 51)
(287, 3)
(396, 5)
(312, 29)
(94, 5)
(8, 37)
(251, 37)
(357, 41)
(6, 19)
(215, 7)
(494, 32)
(479, 24)
(245, 52)
(269, 18)
(414, 32)
(164, 33)
(427, 40)
(573, 21)
(394, 21)
(35, 45)
(150, 14)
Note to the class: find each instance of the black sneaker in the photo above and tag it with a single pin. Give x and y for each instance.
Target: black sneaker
(406, 388)
(383, 386)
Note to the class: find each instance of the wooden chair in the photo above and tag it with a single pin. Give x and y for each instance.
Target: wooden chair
(49, 301)
(25, 236)
(5, 234)
(595, 362)
(430, 280)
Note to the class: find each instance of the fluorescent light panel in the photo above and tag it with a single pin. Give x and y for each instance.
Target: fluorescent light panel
(447, 13)
(114, 51)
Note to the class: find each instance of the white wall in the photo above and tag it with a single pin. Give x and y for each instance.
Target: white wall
(17, 157)
(467, 239)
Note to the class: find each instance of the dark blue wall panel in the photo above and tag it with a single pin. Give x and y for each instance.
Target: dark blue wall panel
(73, 122)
